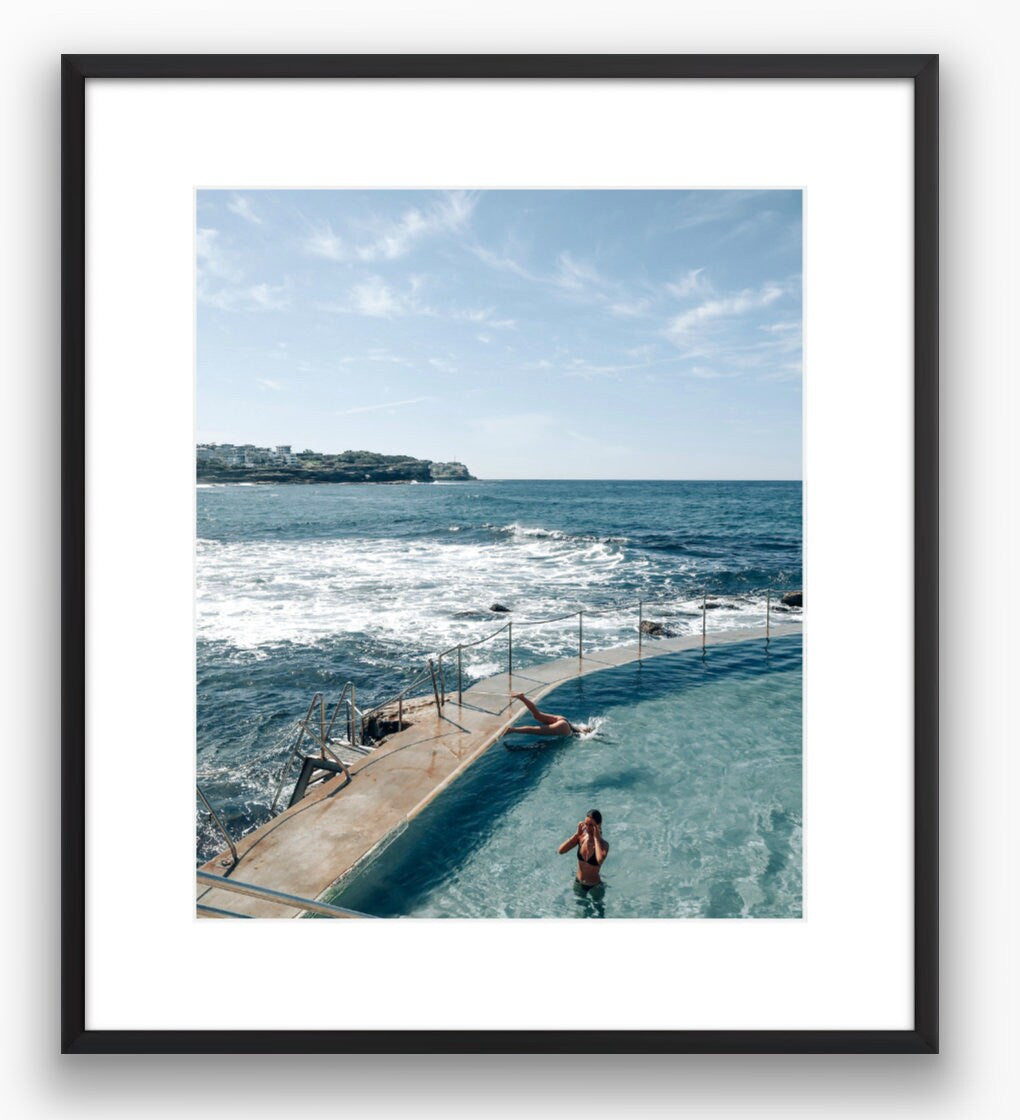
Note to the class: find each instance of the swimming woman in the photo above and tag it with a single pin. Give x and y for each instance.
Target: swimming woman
(548, 724)
(591, 849)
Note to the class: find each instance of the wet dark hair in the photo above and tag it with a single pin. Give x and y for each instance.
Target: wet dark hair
(595, 815)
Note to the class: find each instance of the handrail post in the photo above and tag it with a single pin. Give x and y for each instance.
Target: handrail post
(435, 687)
(442, 682)
(768, 612)
(510, 648)
(460, 679)
(640, 625)
(322, 724)
(704, 617)
(353, 737)
(580, 635)
(400, 713)
(336, 710)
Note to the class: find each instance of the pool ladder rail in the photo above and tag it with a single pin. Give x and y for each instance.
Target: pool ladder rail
(334, 754)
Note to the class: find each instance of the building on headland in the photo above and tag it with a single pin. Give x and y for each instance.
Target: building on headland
(244, 455)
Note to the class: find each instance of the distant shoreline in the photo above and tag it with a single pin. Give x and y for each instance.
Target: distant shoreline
(312, 467)
(306, 478)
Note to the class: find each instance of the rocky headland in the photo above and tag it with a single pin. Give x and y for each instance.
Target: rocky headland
(348, 466)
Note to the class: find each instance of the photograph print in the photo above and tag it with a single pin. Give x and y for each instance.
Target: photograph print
(499, 554)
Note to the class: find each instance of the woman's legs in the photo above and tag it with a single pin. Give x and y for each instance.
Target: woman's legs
(543, 716)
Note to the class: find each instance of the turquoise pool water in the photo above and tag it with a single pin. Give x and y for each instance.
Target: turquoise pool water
(695, 765)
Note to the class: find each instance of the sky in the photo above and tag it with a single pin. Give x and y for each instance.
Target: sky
(528, 334)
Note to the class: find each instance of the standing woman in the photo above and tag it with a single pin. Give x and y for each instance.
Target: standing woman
(591, 849)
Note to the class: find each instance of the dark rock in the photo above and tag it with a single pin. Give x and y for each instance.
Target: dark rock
(498, 608)
(378, 728)
(793, 599)
(654, 629)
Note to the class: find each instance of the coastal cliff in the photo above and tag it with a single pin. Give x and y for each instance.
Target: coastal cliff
(313, 466)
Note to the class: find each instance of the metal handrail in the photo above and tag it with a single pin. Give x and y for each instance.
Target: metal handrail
(616, 608)
(322, 739)
(423, 675)
(267, 894)
(481, 641)
(288, 762)
(219, 825)
(579, 614)
(437, 668)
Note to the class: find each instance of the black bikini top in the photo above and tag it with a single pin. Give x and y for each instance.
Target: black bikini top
(592, 859)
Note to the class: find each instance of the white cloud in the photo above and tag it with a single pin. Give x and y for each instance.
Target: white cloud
(241, 206)
(698, 208)
(390, 240)
(376, 299)
(573, 366)
(254, 297)
(484, 317)
(503, 263)
(206, 242)
(376, 354)
(574, 275)
(688, 285)
(575, 279)
(379, 407)
(762, 220)
(323, 242)
(212, 257)
(456, 208)
(220, 282)
(269, 383)
(395, 239)
(728, 307)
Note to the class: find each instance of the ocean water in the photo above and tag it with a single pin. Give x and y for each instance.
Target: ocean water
(301, 588)
(694, 763)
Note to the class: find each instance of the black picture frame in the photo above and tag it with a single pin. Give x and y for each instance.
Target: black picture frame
(922, 70)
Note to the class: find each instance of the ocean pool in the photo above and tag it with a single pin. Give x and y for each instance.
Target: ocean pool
(695, 765)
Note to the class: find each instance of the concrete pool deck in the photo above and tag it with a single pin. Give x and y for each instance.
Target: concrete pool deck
(340, 824)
